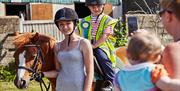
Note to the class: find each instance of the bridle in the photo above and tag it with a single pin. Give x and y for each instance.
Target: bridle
(33, 69)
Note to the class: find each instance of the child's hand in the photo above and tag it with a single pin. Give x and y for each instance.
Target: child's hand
(158, 72)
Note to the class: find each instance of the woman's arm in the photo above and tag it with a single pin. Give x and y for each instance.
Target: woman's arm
(53, 73)
(167, 84)
(161, 79)
(86, 49)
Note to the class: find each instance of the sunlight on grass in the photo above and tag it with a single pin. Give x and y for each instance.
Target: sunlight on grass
(9, 86)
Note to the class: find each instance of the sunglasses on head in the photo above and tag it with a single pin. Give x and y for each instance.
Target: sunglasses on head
(161, 12)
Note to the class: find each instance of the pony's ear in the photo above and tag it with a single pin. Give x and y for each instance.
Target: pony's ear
(16, 33)
(35, 38)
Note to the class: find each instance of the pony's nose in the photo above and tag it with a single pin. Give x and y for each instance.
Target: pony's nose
(22, 83)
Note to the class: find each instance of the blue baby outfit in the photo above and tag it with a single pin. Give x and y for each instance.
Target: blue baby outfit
(136, 77)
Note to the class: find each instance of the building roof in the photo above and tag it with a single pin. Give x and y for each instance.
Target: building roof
(114, 2)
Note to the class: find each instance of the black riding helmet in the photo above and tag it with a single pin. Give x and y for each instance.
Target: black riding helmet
(66, 14)
(95, 2)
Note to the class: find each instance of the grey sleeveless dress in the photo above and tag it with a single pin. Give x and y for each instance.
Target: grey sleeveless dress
(71, 75)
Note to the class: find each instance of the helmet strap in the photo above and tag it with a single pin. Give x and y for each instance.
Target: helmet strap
(71, 33)
(70, 37)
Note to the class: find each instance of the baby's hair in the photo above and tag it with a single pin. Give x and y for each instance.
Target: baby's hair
(142, 45)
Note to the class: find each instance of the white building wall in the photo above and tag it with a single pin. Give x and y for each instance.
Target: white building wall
(59, 6)
(82, 0)
(2, 9)
(117, 11)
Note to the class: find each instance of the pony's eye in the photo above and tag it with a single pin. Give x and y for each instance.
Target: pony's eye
(32, 57)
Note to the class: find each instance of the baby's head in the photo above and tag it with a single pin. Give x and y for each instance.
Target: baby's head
(144, 46)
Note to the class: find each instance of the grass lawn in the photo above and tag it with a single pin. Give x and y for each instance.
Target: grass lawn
(9, 86)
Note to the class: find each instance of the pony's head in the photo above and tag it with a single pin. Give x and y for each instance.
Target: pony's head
(30, 53)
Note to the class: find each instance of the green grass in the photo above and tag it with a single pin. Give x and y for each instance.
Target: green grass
(7, 75)
(9, 86)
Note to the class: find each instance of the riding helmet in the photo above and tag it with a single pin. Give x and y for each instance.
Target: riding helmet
(95, 2)
(65, 14)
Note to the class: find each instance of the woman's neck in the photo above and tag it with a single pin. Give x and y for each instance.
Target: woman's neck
(72, 37)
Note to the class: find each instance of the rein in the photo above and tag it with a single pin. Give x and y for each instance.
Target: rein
(33, 69)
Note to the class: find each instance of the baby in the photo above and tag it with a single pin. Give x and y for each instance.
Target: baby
(144, 50)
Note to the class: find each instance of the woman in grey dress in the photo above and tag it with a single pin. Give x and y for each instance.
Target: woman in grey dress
(74, 56)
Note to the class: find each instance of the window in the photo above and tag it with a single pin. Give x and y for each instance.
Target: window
(5, 0)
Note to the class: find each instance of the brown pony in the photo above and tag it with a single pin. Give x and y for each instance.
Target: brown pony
(34, 54)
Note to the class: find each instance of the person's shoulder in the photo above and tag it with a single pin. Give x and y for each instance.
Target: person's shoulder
(84, 41)
(108, 17)
(85, 44)
(82, 19)
(175, 46)
(170, 53)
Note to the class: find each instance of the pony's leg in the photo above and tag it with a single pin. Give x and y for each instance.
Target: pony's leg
(53, 84)
(53, 87)
(92, 88)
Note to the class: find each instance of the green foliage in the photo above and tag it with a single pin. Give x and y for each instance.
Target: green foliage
(7, 73)
(120, 34)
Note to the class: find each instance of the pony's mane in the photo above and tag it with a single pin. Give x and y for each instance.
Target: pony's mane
(26, 38)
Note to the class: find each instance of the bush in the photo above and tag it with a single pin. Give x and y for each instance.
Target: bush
(7, 73)
(120, 34)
